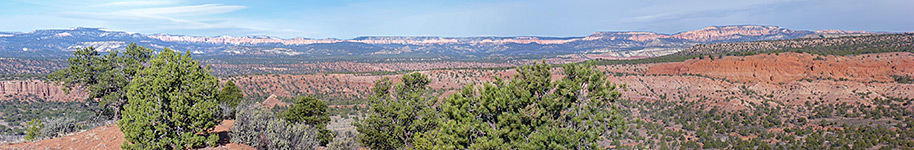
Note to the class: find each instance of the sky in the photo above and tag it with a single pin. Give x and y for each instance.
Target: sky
(346, 19)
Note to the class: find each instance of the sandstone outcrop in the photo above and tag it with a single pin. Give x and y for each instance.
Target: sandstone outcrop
(26, 89)
(721, 33)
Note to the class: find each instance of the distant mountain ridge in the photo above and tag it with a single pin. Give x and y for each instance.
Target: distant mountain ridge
(598, 42)
(708, 34)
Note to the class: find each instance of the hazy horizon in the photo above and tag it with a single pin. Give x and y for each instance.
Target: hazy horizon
(577, 36)
(354, 18)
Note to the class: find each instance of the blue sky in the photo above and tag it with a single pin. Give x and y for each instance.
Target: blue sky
(351, 18)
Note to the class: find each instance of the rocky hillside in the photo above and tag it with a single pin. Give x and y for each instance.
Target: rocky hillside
(868, 43)
(30, 66)
(806, 86)
(789, 67)
(45, 42)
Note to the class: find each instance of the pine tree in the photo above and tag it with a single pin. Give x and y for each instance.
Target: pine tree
(171, 105)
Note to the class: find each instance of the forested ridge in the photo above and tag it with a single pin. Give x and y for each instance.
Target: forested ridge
(847, 45)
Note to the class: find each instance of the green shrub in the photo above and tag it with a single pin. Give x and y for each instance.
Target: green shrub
(32, 129)
(903, 78)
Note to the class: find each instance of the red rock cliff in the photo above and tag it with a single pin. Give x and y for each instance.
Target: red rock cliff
(21, 89)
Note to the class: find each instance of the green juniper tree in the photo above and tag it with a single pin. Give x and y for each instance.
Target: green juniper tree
(311, 111)
(528, 112)
(398, 112)
(230, 94)
(103, 77)
(229, 98)
(171, 105)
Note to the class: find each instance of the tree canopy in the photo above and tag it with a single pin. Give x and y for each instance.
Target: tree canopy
(311, 111)
(397, 113)
(103, 77)
(230, 94)
(531, 111)
(171, 105)
(528, 112)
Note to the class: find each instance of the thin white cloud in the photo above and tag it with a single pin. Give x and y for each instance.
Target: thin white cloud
(171, 18)
(137, 3)
(666, 13)
(148, 20)
(191, 10)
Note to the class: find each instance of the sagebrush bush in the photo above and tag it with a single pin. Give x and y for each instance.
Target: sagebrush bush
(49, 128)
(344, 141)
(250, 124)
(258, 127)
(59, 126)
(228, 111)
(284, 135)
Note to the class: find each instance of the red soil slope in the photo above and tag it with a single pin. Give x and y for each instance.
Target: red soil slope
(106, 137)
(788, 78)
(787, 67)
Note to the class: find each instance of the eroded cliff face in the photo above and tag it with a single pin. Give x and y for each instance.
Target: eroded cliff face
(714, 34)
(634, 36)
(724, 33)
(27, 89)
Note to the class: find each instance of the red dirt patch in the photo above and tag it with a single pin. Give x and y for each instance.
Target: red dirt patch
(107, 137)
(104, 137)
(272, 101)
